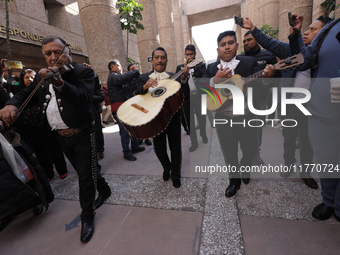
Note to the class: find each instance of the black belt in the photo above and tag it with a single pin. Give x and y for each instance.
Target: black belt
(72, 131)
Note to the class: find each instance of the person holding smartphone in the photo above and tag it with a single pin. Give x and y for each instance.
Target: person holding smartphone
(298, 79)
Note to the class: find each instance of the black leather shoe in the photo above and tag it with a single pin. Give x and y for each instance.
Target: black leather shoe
(148, 142)
(311, 183)
(87, 230)
(245, 177)
(4, 223)
(337, 217)
(138, 150)
(130, 158)
(322, 212)
(100, 200)
(37, 210)
(100, 155)
(176, 182)
(231, 190)
(205, 139)
(193, 147)
(166, 175)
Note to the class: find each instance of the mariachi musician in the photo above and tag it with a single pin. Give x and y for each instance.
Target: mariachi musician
(192, 97)
(66, 103)
(172, 165)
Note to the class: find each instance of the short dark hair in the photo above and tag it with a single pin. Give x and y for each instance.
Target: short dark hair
(22, 75)
(112, 63)
(128, 68)
(324, 19)
(248, 33)
(191, 47)
(226, 33)
(49, 39)
(161, 49)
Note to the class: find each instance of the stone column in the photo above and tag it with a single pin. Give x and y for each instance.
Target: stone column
(148, 39)
(178, 31)
(132, 52)
(337, 11)
(102, 33)
(268, 13)
(239, 35)
(186, 30)
(249, 8)
(299, 7)
(167, 32)
(318, 10)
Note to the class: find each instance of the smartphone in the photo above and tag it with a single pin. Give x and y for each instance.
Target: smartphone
(238, 20)
(13, 64)
(290, 19)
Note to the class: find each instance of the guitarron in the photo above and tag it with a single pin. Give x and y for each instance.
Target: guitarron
(146, 116)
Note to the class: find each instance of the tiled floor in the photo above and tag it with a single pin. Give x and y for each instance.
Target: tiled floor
(145, 215)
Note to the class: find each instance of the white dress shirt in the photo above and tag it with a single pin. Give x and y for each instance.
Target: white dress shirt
(53, 115)
(232, 64)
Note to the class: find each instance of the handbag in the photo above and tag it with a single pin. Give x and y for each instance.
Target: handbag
(18, 165)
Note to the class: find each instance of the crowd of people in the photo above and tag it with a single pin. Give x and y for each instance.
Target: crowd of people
(64, 115)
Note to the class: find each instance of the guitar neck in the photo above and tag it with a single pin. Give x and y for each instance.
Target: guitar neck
(192, 64)
(177, 75)
(253, 76)
(290, 62)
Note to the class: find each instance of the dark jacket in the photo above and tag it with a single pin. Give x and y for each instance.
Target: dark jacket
(325, 52)
(17, 197)
(118, 85)
(75, 106)
(4, 97)
(98, 97)
(281, 50)
(262, 57)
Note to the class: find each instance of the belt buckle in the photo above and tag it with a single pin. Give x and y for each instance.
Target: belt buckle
(67, 132)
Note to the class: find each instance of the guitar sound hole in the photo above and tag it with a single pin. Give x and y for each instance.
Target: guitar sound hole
(226, 92)
(158, 92)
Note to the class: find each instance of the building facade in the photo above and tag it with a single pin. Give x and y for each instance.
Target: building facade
(93, 27)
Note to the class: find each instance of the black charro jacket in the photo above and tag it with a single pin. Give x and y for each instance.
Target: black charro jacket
(75, 96)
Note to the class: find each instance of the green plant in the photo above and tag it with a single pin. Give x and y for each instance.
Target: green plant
(131, 61)
(130, 15)
(268, 30)
(329, 7)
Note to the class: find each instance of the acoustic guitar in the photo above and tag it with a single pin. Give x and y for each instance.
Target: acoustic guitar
(145, 116)
(220, 98)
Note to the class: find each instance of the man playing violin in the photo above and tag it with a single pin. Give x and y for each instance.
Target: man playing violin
(67, 109)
